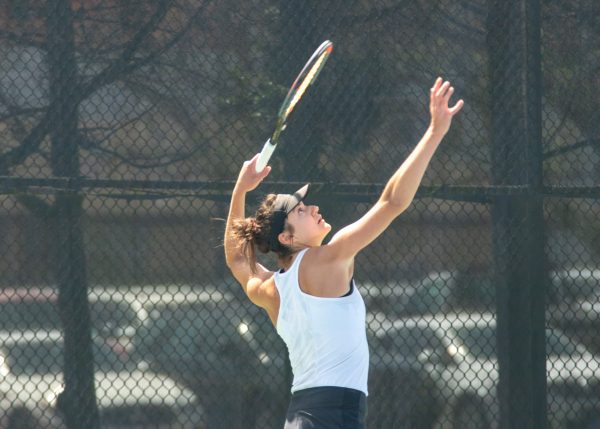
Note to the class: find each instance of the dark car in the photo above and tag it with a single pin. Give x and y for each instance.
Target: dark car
(447, 291)
(215, 349)
(434, 293)
(36, 308)
(441, 371)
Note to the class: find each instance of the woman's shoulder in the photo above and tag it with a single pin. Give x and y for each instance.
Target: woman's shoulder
(326, 254)
(263, 292)
(323, 275)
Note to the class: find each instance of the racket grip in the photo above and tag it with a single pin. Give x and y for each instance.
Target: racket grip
(265, 155)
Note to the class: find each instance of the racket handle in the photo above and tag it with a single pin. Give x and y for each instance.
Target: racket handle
(265, 155)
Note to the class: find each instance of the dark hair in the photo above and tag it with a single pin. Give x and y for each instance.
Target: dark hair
(254, 233)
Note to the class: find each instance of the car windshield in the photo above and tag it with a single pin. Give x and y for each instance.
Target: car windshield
(178, 334)
(480, 342)
(110, 316)
(558, 344)
(184, 322)
(43, 357)
(30, 314)
(431, 295)
(409, 341)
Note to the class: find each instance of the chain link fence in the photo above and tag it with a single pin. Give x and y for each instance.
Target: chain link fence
(122, 129)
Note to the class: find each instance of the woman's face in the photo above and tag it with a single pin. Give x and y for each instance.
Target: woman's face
(308, 225)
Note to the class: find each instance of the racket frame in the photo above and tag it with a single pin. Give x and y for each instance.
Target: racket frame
(305, 78)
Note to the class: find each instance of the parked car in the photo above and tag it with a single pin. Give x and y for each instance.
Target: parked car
(213, 348)
(574, 284)
(579, 318)
(112, 318)
(437, 292)
(452, 291)
(127, 396)
(446, 368)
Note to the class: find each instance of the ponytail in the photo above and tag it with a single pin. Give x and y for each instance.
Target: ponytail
(245, 232)
(254, 233)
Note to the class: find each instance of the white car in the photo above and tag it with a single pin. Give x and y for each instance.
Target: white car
(456, 353)
(128, 397)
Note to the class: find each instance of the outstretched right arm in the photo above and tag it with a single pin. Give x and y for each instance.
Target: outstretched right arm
(248, 180)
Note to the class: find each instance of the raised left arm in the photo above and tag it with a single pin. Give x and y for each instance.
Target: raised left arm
(401, 188)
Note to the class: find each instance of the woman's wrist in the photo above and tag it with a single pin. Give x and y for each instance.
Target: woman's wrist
(434, 134)
(238, 190)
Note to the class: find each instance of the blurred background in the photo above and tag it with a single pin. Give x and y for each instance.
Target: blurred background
(123, 125)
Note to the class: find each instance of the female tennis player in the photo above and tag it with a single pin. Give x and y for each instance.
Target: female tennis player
(312, 300)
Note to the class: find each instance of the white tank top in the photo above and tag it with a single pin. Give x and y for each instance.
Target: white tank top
(325, 337)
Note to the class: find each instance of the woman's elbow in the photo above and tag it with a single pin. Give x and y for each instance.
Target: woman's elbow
(233, 261)
(396, 206)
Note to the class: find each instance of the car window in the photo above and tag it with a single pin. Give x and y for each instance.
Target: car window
(573, 284)
(431, 296)
(411, 342)
(174, 337)
(558, 344)
(34, 358)
(108, 316)
(182, 327)
(480, 341)
(43, 357)
(29, 314)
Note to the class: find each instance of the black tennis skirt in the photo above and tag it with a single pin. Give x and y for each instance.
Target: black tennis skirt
(327, 408)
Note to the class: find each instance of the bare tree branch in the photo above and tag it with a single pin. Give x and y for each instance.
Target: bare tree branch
(119, 66)
(569, 148)
(140, 162)
(36, 206)
(166, 47)
(29, 145)
(15, 113)
(22, 39)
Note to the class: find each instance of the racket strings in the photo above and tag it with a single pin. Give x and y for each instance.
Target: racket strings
(311, 75)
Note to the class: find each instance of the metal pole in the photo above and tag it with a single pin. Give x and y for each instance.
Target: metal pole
(515, 94)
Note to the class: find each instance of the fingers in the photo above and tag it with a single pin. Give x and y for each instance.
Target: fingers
(265, 172)
(251, 160)
(456, 108)
(252, 167)
(436, 85)
(249, 178)
(443, 89)
(448, 93)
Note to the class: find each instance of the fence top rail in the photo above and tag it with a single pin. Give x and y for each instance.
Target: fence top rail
(221, 189)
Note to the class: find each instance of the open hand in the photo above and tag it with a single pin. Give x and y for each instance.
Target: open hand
(441, 113)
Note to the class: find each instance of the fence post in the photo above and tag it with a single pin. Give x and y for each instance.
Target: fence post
(78, 401)
(518, 231)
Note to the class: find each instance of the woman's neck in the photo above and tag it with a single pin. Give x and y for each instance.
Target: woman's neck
(285, 262)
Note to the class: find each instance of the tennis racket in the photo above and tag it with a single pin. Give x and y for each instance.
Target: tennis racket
(307, 76)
